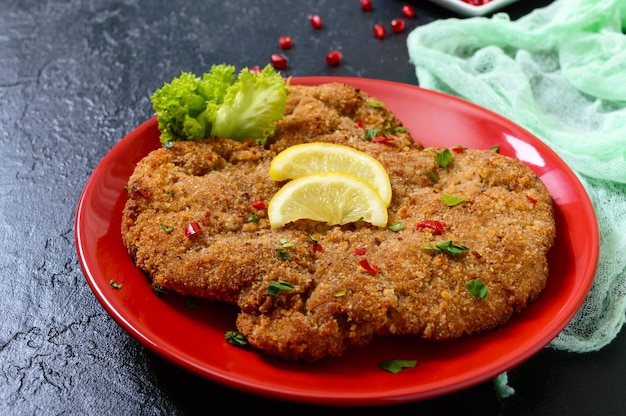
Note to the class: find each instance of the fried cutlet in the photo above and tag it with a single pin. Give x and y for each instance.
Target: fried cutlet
(505, 224)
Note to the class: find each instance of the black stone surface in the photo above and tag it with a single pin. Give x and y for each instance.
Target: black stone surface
(75, 78)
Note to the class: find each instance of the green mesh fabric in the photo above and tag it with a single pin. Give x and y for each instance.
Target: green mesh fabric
(560, 72)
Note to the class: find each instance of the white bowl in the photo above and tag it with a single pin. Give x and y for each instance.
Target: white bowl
(466, 9)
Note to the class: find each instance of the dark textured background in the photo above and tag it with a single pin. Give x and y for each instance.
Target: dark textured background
(75, 77)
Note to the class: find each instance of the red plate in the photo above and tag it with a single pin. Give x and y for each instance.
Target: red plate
(194, 337)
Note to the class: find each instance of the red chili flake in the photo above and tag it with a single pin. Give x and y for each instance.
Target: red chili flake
(255, 69)
(382, 139)
(379, 31)
(318, 247)
(531, 199)
(366, 5)
(360, 123)
(333, 58)
(360, 251)
(316, 21)
(285, 42)
(436, 226)
(145, 194)
(397, 25)
(408, 11)
(458, 149)
(278, 61)
(192, 229)
(370, 268)
(259, 204)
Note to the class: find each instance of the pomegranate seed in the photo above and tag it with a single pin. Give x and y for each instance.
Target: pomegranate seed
(408, 11)
(379, 31)
(255, 69)
(397, 25)
(278, 61)
(316, 21)
(333, 58)
(366, 5)
(284, 42)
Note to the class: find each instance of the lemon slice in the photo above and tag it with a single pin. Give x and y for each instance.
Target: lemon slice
(309, 158)
(332, 197)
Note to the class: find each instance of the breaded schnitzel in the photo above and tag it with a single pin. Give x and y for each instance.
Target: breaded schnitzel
(492, 209)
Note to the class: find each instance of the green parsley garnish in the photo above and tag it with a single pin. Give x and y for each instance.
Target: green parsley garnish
(396, 226)
(393, 130)
(395, 366)
(276, 286)
(158, 290)
(376, 103)
(371, 133)
(444, 158)
(452, 201)
(235, 338)
(477, 288)
(433, 176)
(115, 285)
(312, 240)
(284, 243)
(283, 253)
(495, 148)
(166, 228)
(254, 218)
(339, 293)
(446, 247)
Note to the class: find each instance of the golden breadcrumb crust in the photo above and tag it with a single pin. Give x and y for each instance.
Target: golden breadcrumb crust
(506, 222)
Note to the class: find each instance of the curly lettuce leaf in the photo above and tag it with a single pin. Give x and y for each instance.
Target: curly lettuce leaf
(220, 104)
(251, 106)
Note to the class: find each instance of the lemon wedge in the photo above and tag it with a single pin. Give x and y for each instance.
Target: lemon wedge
(333, 197)
(317, 157)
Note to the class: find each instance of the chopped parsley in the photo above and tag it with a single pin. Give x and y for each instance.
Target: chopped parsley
(158, 290)
(444, 158)
(284, 243)
(339, 293)
(446, 247)
(371, 133)
(166, 228)
(495, 148)
(395, 366)
(276, 286)
(235, 338)
(115, 285)
(396, 226)
(283, 253)
(452, 201)
(254, 218)
(376, 103)
(477, 288)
